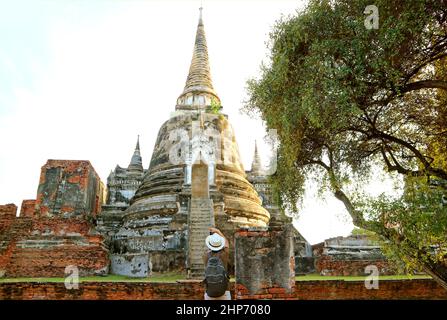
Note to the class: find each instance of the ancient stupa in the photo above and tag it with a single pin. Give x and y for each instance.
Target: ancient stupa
(195, 180)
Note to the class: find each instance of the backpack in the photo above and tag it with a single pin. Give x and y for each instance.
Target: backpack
(216, 278)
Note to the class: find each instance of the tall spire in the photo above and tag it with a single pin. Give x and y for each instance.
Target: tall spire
(136, 163)
(137, 147)
(198, 91)
(256, 165)
(200, 16)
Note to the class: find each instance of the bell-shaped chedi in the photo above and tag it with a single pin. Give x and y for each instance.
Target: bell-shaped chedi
(195, 179)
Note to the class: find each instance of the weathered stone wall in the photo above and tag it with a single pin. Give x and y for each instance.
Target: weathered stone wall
(303, 290)
(131, 265)
(264, 260)
(349, 256)
(167, 260)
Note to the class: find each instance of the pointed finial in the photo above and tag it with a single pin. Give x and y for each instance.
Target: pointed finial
(138, 143)
(198, 91)
(256, 166)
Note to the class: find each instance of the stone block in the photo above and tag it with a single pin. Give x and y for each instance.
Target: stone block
(135, 265)
(264, 259)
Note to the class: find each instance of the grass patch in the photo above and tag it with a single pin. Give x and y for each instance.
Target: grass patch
(173, 277)
(156, 277)
(317, 277)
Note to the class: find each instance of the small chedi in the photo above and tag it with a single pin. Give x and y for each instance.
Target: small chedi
(122, 184)
(157, 219)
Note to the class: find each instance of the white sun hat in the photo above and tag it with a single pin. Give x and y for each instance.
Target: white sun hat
(215, 242)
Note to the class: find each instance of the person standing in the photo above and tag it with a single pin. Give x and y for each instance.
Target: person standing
(216, 266)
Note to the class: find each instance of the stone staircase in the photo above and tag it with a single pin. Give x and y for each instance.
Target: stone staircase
(201, 217)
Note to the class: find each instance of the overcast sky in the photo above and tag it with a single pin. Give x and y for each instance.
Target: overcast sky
(81, 79)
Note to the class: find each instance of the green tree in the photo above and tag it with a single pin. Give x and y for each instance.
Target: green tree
(345, 99)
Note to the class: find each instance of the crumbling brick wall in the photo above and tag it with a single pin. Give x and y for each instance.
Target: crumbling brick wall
(7, 217)
(43, 247)
(55, 230)
(304, 290)
(8, 213)
(349, 256)
(69, 188)
(51, 244)
(28, 208)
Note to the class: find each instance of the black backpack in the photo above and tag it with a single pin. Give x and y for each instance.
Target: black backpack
(216, 278)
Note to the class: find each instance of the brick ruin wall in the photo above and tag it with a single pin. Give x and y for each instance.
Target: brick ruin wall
(28, 208)
(55, 230)
(349, 256)
(264, 262)
(68, 188)
(43, 247)
(7, 218)
(303, 290)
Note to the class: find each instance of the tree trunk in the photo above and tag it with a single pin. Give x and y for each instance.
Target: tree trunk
(438, 272)
(436, 269)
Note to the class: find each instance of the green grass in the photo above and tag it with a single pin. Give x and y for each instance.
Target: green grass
(317, 277)
(156, 277)
(173, 277)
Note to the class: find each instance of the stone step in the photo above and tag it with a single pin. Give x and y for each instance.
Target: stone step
(201, 217)
(198, 214)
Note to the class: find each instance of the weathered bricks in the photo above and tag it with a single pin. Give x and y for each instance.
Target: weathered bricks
(264, 260)
(28, 208)
(303, 290)
(55, 230)
(69, 188)
(349, 256)
(43, 247)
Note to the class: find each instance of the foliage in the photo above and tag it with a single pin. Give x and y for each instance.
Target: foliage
(345, 99)
(362, 232)
(215, 106)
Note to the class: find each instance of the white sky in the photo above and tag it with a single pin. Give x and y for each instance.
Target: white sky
(80, 80)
